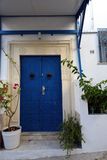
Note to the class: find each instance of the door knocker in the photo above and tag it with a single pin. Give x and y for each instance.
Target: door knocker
(49, 75)
(32, 76)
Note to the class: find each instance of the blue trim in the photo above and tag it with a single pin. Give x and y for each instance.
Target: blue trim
(79, 35)
(81, 13)
(79, 61)
(81, 26)
(83, 6)
(78, 53)
(52, 32)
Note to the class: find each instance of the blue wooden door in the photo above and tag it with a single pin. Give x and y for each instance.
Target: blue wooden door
(41, 93)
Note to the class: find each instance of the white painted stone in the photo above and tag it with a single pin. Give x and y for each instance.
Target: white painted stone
(94, 127)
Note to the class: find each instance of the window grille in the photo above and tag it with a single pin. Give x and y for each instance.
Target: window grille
(102, 38)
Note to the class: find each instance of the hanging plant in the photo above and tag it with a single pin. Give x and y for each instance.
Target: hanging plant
(96, 95)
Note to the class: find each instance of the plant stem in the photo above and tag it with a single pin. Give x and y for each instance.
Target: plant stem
(10, 114)
(16, 105)
(9, 122)
(11, 60)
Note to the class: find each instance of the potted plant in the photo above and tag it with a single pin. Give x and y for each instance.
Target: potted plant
(9, 95)
(70, 136)
(11, 134)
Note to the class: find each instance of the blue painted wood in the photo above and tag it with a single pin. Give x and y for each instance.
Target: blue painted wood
(27, 32)
(30, 93)
(41, 112)
(51, 101)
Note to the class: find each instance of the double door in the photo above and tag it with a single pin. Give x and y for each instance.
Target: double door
(41, 93)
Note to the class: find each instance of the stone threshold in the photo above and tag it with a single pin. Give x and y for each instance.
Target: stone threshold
(39, 136)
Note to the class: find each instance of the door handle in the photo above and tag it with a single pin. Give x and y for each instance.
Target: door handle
(43, 90)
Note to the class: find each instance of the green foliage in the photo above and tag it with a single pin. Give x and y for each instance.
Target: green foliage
(70, 135)
(6, 96)
(96, 95)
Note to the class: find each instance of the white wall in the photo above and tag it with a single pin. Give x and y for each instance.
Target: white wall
(94, 126)
(89, 18)
(33, 24)
(94, 130)
(90, 61)
(37, 23)
(96, 14)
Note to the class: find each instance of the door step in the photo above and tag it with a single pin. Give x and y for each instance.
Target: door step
(32, 136)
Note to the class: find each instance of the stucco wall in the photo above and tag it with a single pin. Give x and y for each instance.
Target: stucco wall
(90, 58)
(8, 43)
(34, 24)
(94, 126)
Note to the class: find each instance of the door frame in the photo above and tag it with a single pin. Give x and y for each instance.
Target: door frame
(62, 48)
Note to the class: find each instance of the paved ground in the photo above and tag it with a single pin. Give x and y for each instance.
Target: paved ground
(33, 150)
(95, 156)
(45, 150)
(86, 156)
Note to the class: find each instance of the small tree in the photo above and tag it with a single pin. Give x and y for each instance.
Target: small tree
(70, 136)
(6, 98)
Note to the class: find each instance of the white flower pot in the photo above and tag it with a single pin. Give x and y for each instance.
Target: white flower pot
(11, 138)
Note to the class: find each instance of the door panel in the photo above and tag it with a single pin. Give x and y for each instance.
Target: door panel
(51, 101)
(41, 96)
(30, 92)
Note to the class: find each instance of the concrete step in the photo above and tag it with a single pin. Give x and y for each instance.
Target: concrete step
(33, 136)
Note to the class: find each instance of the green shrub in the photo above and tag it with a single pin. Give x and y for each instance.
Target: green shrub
(95, 94)
(70, 135)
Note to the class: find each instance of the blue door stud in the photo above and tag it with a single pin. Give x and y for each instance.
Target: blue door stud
(41, 93)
